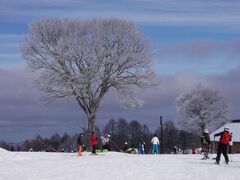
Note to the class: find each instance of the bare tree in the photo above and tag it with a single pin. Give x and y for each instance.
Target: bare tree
(135, 132)
(86, 59)
(201, 108)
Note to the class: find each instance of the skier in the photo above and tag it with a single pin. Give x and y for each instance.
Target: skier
(140, 147)
(175, 148)
(144, 147)
(108, 142)
(225, 137)
(205, 142)
(193, 149)
(80, 144)
(155, 144)
(93, 142)
(104, 142)
(133, 150)
(125, 148)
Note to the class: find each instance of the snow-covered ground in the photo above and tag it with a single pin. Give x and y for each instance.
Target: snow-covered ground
(113, 166)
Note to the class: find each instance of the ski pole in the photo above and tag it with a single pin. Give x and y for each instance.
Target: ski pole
(44, 144)
(116, 145)
(230, 157)
(214, 144)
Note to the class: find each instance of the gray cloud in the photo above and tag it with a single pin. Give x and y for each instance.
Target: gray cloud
(205, 56)
(202, 49)
(228, 85)
(20, 108)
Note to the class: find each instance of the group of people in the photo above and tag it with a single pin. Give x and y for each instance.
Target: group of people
(141, 148)
(105, 141)
(224, 144)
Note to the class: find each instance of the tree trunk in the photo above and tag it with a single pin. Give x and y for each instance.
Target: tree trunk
(91, 128)
(203, 126)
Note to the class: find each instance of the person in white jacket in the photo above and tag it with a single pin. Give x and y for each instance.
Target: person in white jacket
(155, 144)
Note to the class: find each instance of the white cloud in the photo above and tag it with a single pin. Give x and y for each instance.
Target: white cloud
(171, 12)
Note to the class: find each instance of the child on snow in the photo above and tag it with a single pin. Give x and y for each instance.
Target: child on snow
(205, 142)
(141, 147)
(193, 149)
(225, 137)
(80, 144)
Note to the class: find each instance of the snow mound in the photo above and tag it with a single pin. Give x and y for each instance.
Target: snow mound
(4, 154)
(3, 150)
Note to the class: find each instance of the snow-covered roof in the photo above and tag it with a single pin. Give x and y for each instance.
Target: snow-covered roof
(234, 127)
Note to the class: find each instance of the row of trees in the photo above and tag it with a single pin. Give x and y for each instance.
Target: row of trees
(134, 132)
(121, 131)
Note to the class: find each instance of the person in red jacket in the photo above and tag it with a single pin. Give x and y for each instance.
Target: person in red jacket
(193, 149)
(225, 137)
(93, 142)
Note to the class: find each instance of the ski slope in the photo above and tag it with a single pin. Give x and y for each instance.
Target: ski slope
(113, 166)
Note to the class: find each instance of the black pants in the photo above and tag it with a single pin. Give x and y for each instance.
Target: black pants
(104, 147)
(94, 149)
(222, 149)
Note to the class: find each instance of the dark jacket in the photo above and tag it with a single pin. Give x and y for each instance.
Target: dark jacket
(80, 139)
(205, 139)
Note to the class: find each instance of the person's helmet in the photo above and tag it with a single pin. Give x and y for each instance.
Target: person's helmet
(108, 135)
(205, 131)
(226, 129)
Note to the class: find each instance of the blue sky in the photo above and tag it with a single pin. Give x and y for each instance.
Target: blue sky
(195, 41)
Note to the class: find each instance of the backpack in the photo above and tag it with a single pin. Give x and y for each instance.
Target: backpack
(225, 137)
